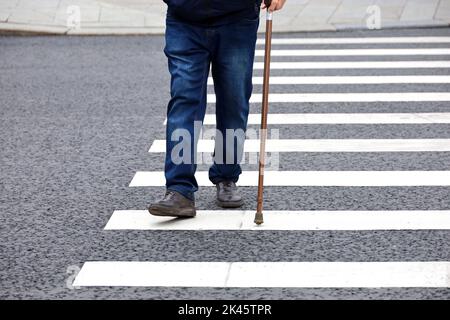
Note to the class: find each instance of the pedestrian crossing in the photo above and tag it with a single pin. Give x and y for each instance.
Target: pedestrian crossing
(313, 178)
(347, 97)
(328, 145)
(285, 220)
(265, 274)
(366, 40)
(320, 65)
(356, 52)
(343, 118)
(324, 74)
(351, 80)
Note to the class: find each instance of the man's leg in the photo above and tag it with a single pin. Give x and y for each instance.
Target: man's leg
(189, 61)
(232, 69)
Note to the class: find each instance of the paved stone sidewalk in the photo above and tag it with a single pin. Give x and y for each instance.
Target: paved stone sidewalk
(147, 16)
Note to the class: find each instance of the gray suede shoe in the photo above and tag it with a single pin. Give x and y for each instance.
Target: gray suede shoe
(228, 195)
(173, 204)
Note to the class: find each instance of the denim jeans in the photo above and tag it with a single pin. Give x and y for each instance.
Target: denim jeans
(191, 51)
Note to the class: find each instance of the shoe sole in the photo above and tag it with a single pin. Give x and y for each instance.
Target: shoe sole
(168, 212)
(230, 204)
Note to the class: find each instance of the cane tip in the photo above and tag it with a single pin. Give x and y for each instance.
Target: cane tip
(259, 218)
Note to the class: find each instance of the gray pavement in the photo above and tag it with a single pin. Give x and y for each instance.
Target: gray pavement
(108, 17)
(78, 115)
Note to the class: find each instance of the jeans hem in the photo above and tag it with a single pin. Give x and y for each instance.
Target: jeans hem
(183, 192)
(216, 180)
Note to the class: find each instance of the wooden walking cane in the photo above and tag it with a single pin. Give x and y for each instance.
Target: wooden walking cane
(265, 108)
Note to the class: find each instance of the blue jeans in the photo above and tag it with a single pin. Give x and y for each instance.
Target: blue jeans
(191, 51)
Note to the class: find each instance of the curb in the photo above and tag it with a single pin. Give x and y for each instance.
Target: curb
(127, 31)
(15, 29)
(27, 29)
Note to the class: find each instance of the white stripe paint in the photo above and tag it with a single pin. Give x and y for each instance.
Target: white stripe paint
(284, 220)
(348, 97)
(328, 145)
(356, 52)
(351, 80)
(314, 178)
(355, 65)
(365, 40)
(265, 274)
(343, 118)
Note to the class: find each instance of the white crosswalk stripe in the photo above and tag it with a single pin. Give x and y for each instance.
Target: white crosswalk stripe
(356, 52)
(347, 97)
(265, 274)
(314, 178)
(351, 80)
(283, 274)
(356, 65)
(284, 220)
(365, 40)
(329, 145)
(343, 118)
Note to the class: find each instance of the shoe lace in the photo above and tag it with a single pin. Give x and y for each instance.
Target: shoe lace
(169, 195)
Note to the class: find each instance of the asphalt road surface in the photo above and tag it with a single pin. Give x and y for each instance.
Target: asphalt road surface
(79, 114)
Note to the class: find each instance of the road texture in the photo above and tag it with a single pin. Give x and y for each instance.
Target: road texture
(78, 115)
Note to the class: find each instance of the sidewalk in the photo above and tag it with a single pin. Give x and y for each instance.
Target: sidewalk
(114, 17)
